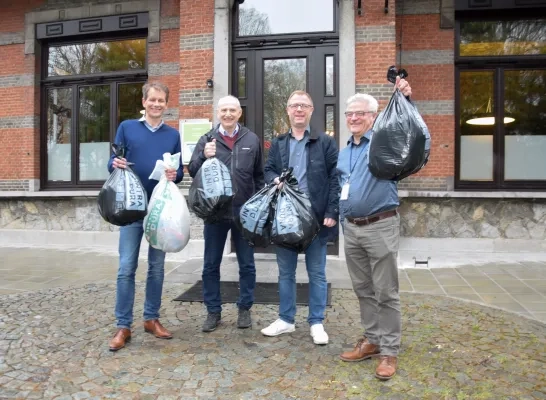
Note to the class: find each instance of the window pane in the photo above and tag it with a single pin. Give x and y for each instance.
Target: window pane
(525, 136)
(94, 132)
(499, 38)
(259, 17)
(330, 120)
(59, 118)
(329, 76)
(477, 126)
(281, 78)
(92, 58)
(241, 78)
(242, 120)
(129, 101)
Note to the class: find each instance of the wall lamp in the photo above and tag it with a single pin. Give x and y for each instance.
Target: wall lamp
(210, 83)
(359, 7)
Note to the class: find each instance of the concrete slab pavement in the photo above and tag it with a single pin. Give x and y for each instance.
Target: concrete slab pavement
(518, 287)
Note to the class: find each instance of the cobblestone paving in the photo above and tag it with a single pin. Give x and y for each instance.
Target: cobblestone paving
(53, 345)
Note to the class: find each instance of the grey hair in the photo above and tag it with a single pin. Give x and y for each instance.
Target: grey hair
(157, 86)
(364, 98)
(229, 100)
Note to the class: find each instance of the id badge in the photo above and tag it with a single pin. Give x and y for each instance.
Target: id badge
(345, 192)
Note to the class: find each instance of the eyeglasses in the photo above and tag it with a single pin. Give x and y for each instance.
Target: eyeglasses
(295, 106)
(350, 114)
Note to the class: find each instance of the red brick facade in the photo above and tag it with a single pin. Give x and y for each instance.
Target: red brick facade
(431, 82)
(189, 95)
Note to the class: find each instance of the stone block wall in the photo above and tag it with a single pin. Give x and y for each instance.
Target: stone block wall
(76, 214)
(421, 217)
(474, 218)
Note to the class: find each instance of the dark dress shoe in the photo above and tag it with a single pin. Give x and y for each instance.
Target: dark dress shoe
(362, 351)
(154, 327)
(122, 336)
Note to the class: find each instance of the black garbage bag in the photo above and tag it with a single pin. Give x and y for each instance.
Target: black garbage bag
(400, 145)
(122, 199)
(256, 216)
(211, 193)
(294, 224)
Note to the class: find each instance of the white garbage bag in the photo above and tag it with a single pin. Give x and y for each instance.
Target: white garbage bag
(167, 224)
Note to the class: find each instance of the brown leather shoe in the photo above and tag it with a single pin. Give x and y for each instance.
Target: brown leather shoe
(154, 327)
(386, 368)
(362, 351)
(122, 336)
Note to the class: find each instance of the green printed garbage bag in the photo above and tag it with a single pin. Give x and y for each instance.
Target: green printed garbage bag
(167, 224)
(294, 224)
(122, 199)
(211, 194)
(256, 215)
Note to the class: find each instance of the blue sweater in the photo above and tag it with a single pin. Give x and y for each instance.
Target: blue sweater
(144, 148)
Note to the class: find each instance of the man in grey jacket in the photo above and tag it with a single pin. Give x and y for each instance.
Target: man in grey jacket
(240, 150)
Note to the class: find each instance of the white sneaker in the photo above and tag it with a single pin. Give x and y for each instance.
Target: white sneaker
(318, 334)
(278, 328)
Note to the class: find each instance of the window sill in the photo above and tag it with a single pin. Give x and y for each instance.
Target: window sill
(57, 194)
(471, 194)
(401, 194)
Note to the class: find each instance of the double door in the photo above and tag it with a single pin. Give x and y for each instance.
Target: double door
(263, 79)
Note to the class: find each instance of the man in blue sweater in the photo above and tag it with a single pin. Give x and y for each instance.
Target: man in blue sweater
(145, 141)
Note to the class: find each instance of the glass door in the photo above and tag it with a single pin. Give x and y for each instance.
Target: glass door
(264, 79)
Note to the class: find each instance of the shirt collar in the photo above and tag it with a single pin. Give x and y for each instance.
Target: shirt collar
(367, 135)
(306, 133)
(224, 132)
(150, 127)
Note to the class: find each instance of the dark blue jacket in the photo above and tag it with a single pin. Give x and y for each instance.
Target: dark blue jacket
(322, 179)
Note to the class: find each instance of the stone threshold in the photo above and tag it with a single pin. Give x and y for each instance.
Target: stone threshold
(414, 252)
(470, 194)
(401, 193)
(56, 194)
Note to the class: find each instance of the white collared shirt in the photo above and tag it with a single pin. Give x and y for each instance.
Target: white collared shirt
(150, 127)
(225, 133)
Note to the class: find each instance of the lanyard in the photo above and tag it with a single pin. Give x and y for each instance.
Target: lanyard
(351, 166)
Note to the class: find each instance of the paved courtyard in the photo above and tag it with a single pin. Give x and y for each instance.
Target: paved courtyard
(56, 320)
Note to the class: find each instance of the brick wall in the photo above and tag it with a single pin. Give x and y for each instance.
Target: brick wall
(375, 49)
(196, 59)
(183, 59)
(19, 101)
(19, 80)
(163, 57)
(426, 52)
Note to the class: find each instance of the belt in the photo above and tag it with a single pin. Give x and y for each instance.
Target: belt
(372, 218)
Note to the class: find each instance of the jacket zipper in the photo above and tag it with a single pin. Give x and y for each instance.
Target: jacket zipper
(235, 154)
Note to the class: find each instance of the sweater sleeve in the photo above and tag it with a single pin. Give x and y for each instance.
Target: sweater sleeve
(180, 171)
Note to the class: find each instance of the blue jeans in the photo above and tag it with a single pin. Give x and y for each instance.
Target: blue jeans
(129, 246)
(315, 261)
(215, 240)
